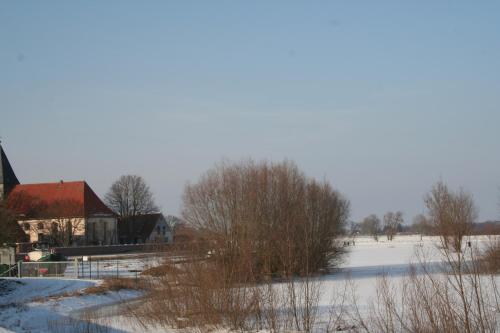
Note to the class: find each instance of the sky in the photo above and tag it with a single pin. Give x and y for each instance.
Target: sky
(380, 98)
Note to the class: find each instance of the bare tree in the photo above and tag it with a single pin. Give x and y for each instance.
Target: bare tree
(371, 226)
(354, 228)
(64, 224)
(130, 196)
(287, 221)
(451, 213)
(392, 221)
(421, 225)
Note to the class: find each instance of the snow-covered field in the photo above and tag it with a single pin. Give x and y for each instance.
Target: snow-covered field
(32, 305)
(26, 305)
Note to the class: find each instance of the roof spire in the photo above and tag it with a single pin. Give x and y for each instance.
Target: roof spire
(8, 178)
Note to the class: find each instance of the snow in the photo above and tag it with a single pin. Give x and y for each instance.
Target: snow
(28, 307)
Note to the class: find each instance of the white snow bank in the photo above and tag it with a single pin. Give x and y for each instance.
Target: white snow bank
(28, 306)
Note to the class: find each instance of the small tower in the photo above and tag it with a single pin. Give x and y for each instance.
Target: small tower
(8, 178)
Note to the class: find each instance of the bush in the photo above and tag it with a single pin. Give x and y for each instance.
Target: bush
(491, 258)
(205, 294)
(115, 284)
(286, 221)
(161, 270)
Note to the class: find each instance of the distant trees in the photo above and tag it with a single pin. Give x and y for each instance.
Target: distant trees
(452, 214)
(354, 228)
(271, 214)
(130, 196)
(421, 225)
(392, 223)
(370, 226)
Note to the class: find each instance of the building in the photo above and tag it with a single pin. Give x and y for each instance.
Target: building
(63, 213)
(8, 179)
(146, 228)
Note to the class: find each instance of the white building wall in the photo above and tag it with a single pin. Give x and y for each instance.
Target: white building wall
(102, 230)
(34, 228)
(161, 232)
(92, 230)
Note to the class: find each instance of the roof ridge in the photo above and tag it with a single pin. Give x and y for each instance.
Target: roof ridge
(93, 196)
(54, 183)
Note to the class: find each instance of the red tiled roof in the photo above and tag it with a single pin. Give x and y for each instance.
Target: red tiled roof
(84, 202)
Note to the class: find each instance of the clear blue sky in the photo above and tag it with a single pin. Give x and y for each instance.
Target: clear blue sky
(382, 99)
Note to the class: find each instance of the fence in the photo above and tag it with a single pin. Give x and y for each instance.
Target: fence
(8, 270)
(80, 269)
(94, 250)
(48, 269)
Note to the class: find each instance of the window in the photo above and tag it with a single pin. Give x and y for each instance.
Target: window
(163, 231)
(158, 229)
(39, 225)
(26, 226)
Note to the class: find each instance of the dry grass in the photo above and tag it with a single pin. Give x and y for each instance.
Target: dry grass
(114, 284)
(462, 298)
(491, 258)
(107, 285)
(223, 292)
(161, 270)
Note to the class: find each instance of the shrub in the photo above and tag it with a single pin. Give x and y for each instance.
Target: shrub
(115, 284)
(286, 221)
(205, 293)
(491, 257)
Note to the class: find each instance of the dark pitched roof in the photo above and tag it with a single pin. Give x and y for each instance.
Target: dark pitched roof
(72, 199)
(7, 175)
(135, 227)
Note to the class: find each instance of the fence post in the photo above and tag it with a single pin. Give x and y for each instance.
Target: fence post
(117, 268)
(19, 268)
(76, 268)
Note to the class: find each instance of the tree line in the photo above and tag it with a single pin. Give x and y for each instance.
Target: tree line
(286, 220)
